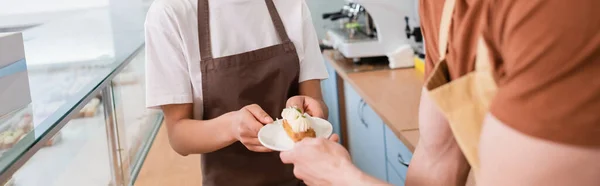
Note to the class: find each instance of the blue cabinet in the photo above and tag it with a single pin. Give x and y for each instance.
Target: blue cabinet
(330, 97)
(394, 177)
(397, 154)
(365, 135)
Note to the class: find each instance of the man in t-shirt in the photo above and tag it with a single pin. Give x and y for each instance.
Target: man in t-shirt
(543, 127)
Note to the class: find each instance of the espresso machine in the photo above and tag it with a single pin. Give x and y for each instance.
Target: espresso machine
(376, 28)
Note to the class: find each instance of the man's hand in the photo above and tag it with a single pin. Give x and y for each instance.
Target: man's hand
(313, 107)
(319, 161)
(245, 125)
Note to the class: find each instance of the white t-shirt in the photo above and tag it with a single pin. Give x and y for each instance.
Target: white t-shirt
(237, 26)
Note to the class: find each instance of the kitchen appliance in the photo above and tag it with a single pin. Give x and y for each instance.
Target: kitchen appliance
(374, 28)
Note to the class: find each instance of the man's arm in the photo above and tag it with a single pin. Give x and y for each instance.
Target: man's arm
(509, 157)
(320, 161)
(437, 159)
(543, 127)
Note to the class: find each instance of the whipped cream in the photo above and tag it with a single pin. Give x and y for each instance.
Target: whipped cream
(302, 124)
(290, 113)
(298, 121)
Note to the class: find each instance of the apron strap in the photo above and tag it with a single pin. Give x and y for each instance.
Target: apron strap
(445, 24)
(277, 22)
(204, 30)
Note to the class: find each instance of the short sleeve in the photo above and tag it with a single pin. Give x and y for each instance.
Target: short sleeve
(547, 65)
(167, 75)
(312, 66)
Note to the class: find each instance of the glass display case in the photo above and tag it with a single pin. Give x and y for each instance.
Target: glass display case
(87, 123)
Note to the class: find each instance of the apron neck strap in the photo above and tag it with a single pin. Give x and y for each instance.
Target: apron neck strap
(204, 27)
(277, 21)
(445, 24)
(204, 30)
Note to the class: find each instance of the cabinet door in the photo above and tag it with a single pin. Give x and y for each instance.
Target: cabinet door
(330, 97)
(397, 154)
(393, 177)
(365, 136)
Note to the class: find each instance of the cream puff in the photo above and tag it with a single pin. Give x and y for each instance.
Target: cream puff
(297, 125)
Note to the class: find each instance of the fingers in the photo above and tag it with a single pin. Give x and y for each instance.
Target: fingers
(251, 141)
(259, 113)
(254, 144)
(307, 104)
(287, 157)
(296, 101)
(334, 138)
(259, 148)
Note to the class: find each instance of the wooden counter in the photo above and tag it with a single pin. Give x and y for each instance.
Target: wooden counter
(394, 94)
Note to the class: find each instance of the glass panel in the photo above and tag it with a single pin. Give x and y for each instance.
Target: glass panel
(136, 123)
(77, 155)
(71, 46)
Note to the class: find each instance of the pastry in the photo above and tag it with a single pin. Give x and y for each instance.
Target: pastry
(297, 125)
(89, 110)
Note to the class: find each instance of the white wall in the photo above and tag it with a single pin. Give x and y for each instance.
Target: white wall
(318, 7)
(16, 7)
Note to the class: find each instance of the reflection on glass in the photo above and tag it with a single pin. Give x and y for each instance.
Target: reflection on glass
(71, 46)
(77, 155)
(136, 123)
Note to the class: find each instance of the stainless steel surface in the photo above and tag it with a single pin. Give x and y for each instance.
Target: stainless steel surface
(357, 37)
(112, 133)
(368, 25)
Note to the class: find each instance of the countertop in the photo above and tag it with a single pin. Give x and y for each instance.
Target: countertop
(394, 94)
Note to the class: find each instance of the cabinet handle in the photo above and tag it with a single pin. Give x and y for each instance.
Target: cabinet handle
(361, 108)
(402, 161)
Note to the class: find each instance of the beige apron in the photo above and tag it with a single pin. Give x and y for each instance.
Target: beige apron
(463, 101)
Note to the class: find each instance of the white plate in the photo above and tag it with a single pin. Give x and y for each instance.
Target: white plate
(274, 137)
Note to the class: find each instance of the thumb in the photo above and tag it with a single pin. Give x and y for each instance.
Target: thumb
(334, 138)
(259, 113)
(296, 101)
(287, 157)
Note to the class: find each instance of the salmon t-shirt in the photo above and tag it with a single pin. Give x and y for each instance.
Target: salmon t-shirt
(546, 59)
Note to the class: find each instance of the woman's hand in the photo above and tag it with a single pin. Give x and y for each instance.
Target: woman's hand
(319, 161)
(246, 123)
(313, 107)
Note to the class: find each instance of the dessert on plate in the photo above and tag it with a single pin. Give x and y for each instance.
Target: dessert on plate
(296, 124)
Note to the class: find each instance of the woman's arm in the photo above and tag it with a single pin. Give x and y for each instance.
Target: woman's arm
(311, 89)
(188, 136)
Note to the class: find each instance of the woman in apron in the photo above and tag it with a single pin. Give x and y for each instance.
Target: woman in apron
(509, 95)
(220, 82)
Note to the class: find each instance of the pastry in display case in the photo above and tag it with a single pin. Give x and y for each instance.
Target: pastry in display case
(128, 78)
(57, 137)
(90, 109)
(14, 127)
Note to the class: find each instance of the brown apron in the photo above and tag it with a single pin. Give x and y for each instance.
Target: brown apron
(267, 77)
(464, 101)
